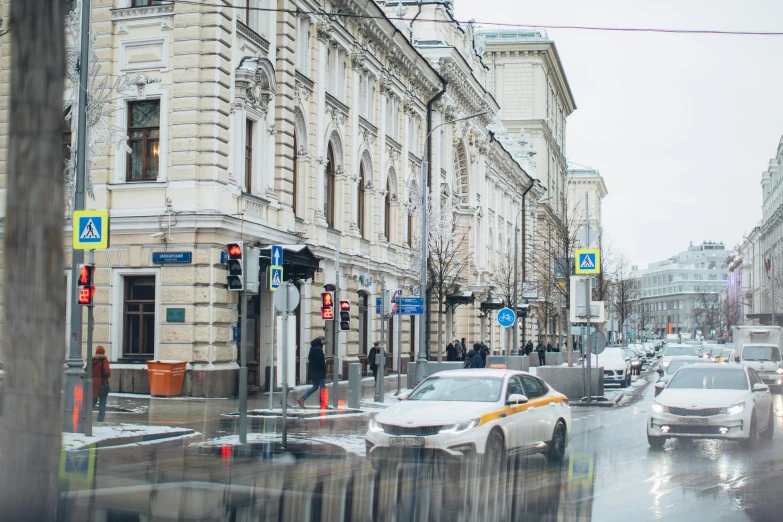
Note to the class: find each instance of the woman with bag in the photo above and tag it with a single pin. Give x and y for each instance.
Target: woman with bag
(100, 381)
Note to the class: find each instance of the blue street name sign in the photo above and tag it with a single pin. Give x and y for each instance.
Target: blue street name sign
(405, 306)
(162, 258)
(506, 317)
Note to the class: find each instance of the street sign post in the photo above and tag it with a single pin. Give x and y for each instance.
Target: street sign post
(90, 229)
(275, 277)
(530, 290)
(277, 255)
(588, 262)
(597, 342)
(506, 317)
(405, 306)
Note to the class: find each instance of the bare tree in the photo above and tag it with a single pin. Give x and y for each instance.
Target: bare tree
(30, 431)
(706, 311)
(624, 290)
(557, 240)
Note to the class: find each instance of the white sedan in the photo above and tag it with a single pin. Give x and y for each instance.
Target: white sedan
(712, 401)
(489, 412)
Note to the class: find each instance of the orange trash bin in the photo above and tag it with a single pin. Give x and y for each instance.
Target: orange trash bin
(166, 377)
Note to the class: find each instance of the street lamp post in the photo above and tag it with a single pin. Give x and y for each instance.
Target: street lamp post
(422, 356)
(515, 345)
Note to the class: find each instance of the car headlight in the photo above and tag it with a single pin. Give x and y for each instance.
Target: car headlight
(460, 427)
(376, 426)
(733, 410)
(659, 408)
(779, 371)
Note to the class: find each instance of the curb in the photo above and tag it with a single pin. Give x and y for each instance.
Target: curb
(600, 404)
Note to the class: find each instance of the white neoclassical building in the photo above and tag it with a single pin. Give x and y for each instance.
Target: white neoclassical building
(303, 127)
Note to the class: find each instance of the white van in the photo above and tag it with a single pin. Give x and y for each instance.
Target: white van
(758, 347)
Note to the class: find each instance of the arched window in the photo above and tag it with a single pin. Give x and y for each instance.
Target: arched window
(360, 202)
(295, 174)
(387, 212)
(329, 187)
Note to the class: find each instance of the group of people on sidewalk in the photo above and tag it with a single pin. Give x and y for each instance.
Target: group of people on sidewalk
(476, 357)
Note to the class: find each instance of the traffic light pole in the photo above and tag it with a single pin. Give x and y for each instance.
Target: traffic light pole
(243, 335)
(73, 422)
(336, 326)
(88, 383)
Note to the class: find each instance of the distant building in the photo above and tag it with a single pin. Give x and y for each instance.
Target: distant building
(681, 294)
(771, 233)
(583, 180)
(746, 281)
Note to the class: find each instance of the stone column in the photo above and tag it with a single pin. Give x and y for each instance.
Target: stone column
(323, 36)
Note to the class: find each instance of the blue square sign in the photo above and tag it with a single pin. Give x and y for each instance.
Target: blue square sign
(90, 229)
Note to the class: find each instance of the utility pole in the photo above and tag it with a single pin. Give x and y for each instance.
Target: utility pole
(336, 327)
(74, 374)
(588, 350)
(243, 335)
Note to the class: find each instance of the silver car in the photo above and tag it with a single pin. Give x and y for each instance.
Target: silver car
(675, 364)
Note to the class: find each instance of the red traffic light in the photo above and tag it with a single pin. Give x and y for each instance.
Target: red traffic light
(85, 275)
(345, 305)
(327, 300)
(234, 251)
(327, 313)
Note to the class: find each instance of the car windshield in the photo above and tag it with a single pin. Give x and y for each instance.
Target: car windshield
(676, 365)
(716, 352)
(630, 353)
(709, 379)
(677, 351)
(458, 389)
(726, 354)
(761, 353)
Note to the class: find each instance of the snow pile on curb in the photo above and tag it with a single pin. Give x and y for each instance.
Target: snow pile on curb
(122, 434)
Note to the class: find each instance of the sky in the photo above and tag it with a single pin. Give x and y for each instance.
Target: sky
(680, 126)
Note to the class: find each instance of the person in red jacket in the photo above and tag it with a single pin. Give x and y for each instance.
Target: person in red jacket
(100, 377)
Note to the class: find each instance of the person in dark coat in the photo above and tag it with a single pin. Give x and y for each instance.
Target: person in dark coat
(483, 352)
(100, 376)
(549, 347)
(529, 348)
(541, 354)
(464, 350)
(451, 352)
(316, 370)
(374, 352)
(473, 359)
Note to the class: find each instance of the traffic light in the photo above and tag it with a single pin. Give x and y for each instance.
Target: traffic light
(253, 278)
(345, 316)
(327, 306)
(235, 278)
(85, 287)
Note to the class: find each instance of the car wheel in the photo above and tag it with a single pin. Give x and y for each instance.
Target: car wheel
(656, 443)
(770, 431)
(750, 441)
(494, 453)
(557, 446)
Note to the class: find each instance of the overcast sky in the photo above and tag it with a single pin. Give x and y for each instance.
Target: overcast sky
(680, 126)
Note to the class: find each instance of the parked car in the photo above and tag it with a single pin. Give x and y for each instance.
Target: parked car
(490, 413)
(617, 366)
(636, 362)
(712, 401)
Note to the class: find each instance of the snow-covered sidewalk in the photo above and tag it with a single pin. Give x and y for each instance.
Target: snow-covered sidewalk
(105, 435)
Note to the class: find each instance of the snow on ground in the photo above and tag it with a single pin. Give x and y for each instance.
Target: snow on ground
(107, 432)
(352, 444)
(147, 396)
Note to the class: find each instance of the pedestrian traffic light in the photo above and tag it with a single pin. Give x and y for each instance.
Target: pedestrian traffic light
(345, 316)
(235, 278)
(327, 306)
(85, 288)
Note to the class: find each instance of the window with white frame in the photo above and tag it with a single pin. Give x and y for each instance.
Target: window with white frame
(336, 67)
(249, 136)
(303, 45)
(143, 140)
(138, 317)
(366, 97)
(393, 117)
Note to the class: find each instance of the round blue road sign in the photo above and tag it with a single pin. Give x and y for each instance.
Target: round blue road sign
(506, 317)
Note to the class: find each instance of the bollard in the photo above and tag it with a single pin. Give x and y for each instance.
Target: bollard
(324, 398)
(354, 385)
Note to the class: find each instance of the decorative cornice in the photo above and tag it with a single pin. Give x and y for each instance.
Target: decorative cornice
(128, 13)
(338, 110)
(254, 37)
(324, 32)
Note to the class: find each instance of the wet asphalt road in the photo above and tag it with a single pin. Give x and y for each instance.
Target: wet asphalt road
(610, 474)
(698, 480)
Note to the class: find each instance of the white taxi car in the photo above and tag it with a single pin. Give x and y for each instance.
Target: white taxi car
(490, 412)
(712, 401)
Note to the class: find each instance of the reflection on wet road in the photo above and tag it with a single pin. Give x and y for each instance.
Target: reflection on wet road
(609, 474)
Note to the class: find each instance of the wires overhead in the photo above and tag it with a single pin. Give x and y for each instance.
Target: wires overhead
(662, 30)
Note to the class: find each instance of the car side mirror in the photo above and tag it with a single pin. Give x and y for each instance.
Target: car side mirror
(660, 385)
(404, 395)
(760, 387)
(516, 398)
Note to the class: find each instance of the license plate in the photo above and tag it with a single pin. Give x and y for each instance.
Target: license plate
(408, 442)
(694, 422)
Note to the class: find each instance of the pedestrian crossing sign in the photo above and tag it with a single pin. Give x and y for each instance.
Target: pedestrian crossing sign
(588, 261)
(275, 277)
(77, 464)
(90, 229)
